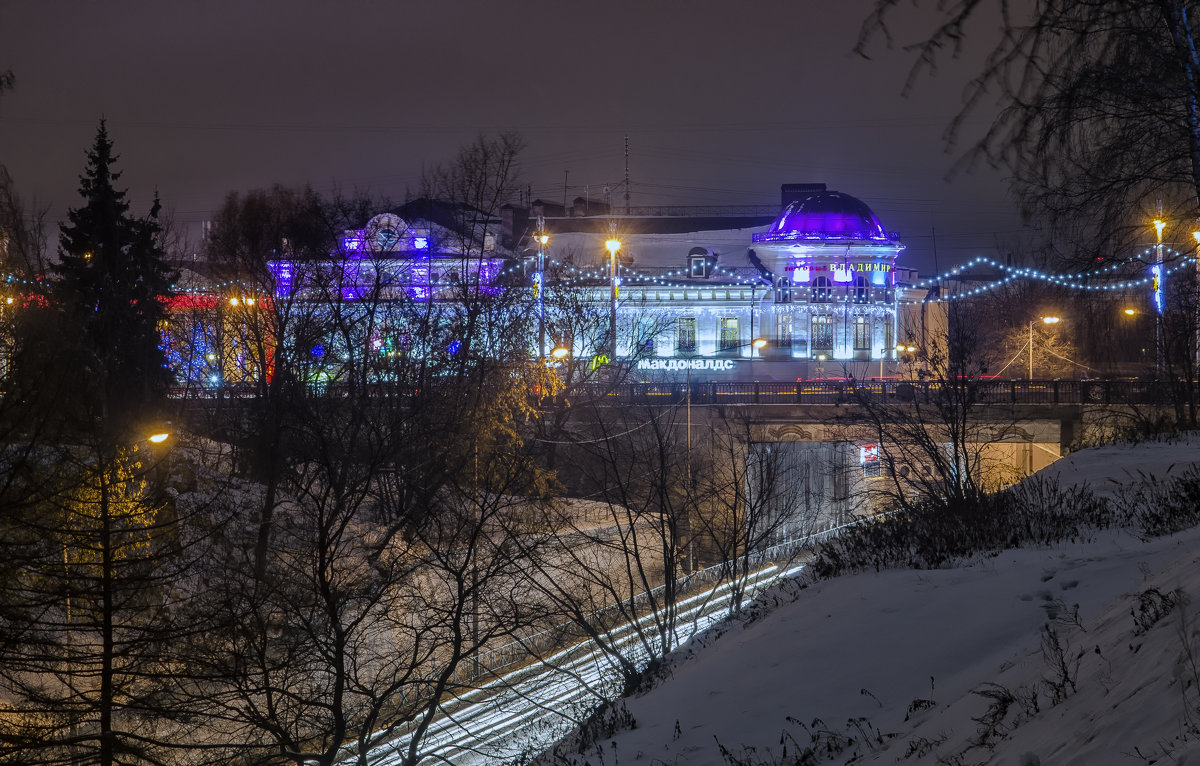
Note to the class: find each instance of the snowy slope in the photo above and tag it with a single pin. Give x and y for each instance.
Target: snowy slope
(895, 664)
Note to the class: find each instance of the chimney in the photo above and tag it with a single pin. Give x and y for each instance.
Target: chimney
(789, 193)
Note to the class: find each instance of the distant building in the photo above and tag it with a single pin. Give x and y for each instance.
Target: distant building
(807, 292)
(810, 289)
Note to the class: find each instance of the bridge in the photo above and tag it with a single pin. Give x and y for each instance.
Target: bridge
(983, 391)
(1128, 391)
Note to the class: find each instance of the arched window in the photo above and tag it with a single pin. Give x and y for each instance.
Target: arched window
(783, 290)
(821, 332)
(822, 290)
(862, 289)
(862, 333)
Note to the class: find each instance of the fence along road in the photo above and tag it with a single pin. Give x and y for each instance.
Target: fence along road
(529, 708)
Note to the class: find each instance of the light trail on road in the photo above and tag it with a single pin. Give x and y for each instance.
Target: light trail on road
(528, 709)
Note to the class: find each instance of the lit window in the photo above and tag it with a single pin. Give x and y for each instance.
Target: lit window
(783, 331)
(822, 332)
(822, 290)
(783, 290)
(729, 334)
(685, 338)
(862, 333)
(862, 289)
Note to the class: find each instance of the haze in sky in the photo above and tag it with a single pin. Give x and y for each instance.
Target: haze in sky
(721, 104)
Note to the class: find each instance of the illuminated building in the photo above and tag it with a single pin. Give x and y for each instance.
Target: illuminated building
(739, 294)
(812, 294)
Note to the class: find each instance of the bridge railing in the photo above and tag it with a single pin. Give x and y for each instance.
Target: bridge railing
(1042, 392)
(1046, 392)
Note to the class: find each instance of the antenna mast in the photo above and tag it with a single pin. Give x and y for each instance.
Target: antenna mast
(626, 175)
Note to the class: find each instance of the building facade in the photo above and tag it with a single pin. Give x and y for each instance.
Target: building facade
(810, 293)
(813, 294)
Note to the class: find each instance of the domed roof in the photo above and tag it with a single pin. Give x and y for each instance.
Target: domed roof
(828, 215)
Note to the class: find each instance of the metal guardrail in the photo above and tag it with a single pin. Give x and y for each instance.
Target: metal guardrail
(515, 652)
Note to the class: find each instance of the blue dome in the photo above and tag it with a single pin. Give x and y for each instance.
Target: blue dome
(828, 215)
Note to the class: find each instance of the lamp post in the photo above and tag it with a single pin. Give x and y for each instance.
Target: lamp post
(1196, 320)
(906, 361)
(613, 246)
(542, 239)
(1046, 320)
(1159, 296)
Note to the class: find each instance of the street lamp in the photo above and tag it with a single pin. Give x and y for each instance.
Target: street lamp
(758, 344)
(1046, 320)
(1159, 297)
(1196, 368)
(906, 362)
(613, 246)
(542, 239)
(560, 352)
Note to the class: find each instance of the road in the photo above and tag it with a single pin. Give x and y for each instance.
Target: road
(528, 709)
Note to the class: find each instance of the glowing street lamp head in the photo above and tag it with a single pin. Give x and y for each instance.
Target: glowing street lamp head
(1130, 312)
(158, 438)
(1051, 320)
(560, 352)
(543, 238)
(1196, 236)
(759, 343)
(1158, 226)
(613, 245)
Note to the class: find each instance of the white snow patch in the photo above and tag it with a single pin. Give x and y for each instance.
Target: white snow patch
(858, 653)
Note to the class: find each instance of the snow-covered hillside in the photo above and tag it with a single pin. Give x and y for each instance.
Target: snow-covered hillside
(1084, 653)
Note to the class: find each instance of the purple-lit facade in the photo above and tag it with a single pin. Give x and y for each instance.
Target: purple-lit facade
(389, 259)
(833, 267)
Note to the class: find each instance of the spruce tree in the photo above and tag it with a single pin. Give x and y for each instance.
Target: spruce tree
(108, 287)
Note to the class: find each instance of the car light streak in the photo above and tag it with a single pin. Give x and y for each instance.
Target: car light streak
(532, 706)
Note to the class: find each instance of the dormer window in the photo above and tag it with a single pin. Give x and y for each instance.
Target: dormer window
(701, 261)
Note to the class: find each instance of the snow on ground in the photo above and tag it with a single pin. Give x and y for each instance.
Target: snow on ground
(908, 653)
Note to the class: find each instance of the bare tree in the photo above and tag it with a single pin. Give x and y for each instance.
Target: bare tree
(399, 482)
(22, 230)
(87, 675)
(937, 440)
(1099, 124)
(619, 555)
(751, 502)
(1101, 101)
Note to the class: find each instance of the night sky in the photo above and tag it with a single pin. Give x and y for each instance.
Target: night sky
(722, 103)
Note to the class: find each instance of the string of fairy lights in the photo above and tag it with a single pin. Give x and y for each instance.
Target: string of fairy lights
(1173, 261)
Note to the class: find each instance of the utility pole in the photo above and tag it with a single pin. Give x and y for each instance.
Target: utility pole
(1159, 294)
(542, 238)
(613, 244)
(1196, 319)
(626, 175)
